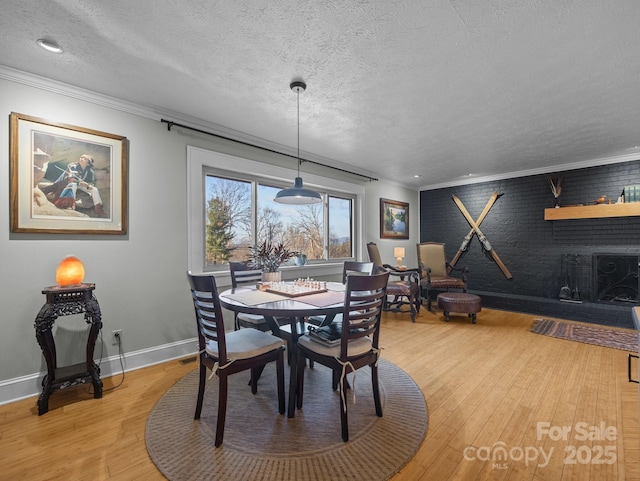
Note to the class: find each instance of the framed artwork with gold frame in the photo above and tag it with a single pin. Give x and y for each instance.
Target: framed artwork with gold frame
(66, 179)
(394, 219)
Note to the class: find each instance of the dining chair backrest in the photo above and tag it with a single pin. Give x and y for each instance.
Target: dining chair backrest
(353, 267)
(208, 313)
(242, 273)
(364, 300)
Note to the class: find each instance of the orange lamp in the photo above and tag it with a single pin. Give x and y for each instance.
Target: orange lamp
(70, 271)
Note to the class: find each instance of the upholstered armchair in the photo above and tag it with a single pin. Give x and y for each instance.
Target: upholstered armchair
(403, 287)
(435, 271)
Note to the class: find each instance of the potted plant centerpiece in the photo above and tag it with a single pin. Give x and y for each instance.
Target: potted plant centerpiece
(268, 258)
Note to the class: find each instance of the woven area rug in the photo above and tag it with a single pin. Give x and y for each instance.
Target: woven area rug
(260, 444)
(617, 338)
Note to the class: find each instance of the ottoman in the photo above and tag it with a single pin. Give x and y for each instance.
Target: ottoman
(459, 302)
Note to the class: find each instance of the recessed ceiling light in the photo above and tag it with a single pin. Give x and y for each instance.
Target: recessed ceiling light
(49, 45)
(417, 176)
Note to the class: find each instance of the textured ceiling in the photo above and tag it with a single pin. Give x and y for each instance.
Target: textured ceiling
(395, 87)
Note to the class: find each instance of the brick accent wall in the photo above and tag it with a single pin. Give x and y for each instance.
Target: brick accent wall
(532, 248)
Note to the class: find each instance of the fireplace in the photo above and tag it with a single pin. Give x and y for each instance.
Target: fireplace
(616, 278)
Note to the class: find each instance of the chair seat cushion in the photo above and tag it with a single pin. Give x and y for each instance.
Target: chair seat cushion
(445, 282)
(357, 347)
(401, 288)
(251, 318)
(246, 343)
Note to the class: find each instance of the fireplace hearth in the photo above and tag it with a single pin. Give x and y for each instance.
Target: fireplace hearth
(616, 278)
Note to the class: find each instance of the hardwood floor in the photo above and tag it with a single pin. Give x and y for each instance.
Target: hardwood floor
(493, 384)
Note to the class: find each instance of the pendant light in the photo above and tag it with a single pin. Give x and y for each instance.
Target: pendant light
(298, 194)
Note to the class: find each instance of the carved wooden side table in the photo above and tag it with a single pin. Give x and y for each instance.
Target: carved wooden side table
(65, 301)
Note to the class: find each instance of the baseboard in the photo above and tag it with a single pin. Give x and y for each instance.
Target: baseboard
(23, 387)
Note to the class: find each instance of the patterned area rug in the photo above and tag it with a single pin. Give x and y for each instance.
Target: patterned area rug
(260, 444)
(617, 338)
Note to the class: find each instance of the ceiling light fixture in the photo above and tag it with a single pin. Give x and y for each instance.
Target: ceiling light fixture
(298, 194)
(49, 45)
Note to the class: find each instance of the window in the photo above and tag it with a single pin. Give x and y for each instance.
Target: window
(237, 211)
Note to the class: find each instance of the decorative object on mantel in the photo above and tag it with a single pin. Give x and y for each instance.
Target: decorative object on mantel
(556, 189)
(70, 271)
(297, 194)
(484, 242)
(268, 258)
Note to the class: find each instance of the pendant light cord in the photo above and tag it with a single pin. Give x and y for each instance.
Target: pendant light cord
(298, 97)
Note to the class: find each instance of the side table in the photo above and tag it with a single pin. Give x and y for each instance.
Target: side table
(65, 301)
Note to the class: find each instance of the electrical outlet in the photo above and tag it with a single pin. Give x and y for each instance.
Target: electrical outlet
(116, 337)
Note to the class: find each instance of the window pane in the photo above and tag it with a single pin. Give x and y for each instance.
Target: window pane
(228, 232)
(299, 227)
(340, 232)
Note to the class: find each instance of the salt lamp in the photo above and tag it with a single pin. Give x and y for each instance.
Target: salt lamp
(70, 271)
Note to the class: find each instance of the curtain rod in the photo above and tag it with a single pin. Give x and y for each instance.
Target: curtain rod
(171, 123)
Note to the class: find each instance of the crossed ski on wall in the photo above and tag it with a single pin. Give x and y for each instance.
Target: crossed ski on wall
(475, 229)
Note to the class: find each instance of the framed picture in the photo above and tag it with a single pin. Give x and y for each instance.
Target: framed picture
(66, 179)
(394, 219)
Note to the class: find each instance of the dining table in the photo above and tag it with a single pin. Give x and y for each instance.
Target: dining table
(294, 307)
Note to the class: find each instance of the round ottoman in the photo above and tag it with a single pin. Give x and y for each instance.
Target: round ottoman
(459, 302)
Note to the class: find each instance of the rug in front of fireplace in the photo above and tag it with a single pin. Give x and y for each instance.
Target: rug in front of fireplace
(617, 338)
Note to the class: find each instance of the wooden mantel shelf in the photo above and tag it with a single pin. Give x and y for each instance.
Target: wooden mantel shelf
(593, 211)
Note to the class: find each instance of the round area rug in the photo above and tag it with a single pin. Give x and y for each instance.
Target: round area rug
(261, 444)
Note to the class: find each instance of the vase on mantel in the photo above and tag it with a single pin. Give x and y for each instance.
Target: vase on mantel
(272, 276)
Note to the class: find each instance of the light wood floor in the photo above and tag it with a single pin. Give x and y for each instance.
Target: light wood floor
(493, 384)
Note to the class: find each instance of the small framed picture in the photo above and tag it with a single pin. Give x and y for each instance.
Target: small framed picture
(394, 219)
(66, 179)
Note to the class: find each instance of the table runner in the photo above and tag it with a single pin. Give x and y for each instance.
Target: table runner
(323, 299)
(254, 298)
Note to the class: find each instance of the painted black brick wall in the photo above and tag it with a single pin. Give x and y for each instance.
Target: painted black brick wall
(532, 248)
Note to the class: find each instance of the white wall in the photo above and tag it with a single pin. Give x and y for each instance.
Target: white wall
(140, 277)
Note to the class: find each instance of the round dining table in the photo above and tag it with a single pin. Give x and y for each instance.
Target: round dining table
(294, 308)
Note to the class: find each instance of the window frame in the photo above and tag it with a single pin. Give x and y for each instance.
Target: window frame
(201, 162)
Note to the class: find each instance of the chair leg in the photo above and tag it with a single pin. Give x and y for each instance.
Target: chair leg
(300, 379)
(376, 389)
(255, 374)
(222, 410)
(412, 305)
(201, 385)
(280, 378)
(343, 411)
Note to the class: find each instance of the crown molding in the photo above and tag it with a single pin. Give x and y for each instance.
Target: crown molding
(542, 170)
(60, 88)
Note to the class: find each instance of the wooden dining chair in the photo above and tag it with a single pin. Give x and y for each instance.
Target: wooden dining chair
(364, 301)
(242, 274)
(356, 267)
(348, 268)
(229, 353)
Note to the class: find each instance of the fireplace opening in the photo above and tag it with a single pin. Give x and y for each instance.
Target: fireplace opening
(616, 278)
